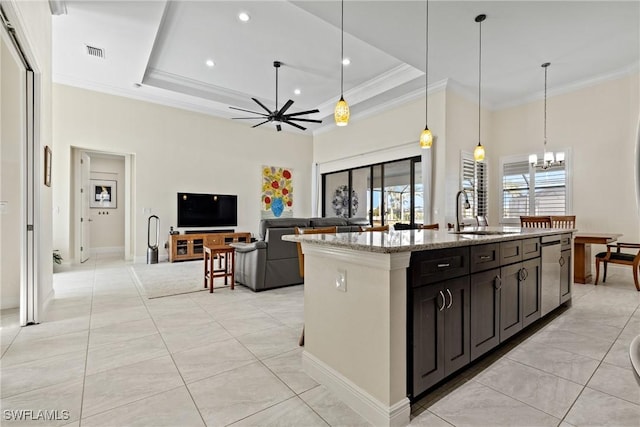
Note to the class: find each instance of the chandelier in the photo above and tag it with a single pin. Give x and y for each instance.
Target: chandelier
(549, 159)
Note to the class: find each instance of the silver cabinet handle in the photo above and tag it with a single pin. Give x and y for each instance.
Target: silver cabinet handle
(450, 298)
(483, 257)
(496, 281)
(443, 301)
(561, 261)
(524, 273)
(443, 265)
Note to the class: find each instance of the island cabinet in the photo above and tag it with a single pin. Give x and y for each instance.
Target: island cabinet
(465, 301)
(565, 268)
(439, 337)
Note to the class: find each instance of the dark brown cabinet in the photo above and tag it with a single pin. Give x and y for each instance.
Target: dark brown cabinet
(440, 337)
(484, 313)
(565, 268)
(530, 290)
(510, 301)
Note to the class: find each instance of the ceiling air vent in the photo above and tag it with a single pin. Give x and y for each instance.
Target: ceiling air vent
(95, 51)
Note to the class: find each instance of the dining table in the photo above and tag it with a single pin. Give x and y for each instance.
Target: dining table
(582, 242)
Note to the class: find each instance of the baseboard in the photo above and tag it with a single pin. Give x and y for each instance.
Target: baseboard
(374, 411)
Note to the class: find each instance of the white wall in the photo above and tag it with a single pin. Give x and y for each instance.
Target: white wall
(599, 125)
(107, 225)
(175, 150)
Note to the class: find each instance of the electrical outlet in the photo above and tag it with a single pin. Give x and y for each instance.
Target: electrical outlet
(341, 280)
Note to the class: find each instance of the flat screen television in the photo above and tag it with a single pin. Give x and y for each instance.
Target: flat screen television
(207, 210)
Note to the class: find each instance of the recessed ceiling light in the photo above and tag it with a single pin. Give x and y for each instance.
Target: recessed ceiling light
(346, 61)
(210, 63)
(244, 16)
(297, 91)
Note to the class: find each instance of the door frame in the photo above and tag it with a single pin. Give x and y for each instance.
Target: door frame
(129, 208)
(30, 171)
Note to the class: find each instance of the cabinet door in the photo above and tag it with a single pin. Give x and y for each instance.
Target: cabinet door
(197, 247)
(182, 247)
(428, 337)
(510, 299)
(484, 312)
(456, 324)
(565, 276)
(530, 288)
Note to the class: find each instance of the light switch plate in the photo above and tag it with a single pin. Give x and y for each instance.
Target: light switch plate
(341, 280)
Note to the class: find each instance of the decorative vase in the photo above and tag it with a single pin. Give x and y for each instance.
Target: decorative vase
(277, 206)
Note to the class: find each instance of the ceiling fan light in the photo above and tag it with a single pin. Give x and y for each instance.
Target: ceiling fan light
(426, 138)
(341, 112)
(478, 153)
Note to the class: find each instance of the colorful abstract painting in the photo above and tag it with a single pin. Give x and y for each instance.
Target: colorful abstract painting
(277, 192)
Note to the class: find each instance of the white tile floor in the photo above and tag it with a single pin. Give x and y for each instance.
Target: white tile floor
(112, 358)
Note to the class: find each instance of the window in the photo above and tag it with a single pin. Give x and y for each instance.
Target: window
(530, 191)
(474, 182)
(386, 193)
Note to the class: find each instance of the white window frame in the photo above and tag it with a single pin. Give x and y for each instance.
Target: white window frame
(465, 155)
(568, 165)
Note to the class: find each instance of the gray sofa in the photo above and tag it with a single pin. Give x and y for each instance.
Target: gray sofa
(272, 262)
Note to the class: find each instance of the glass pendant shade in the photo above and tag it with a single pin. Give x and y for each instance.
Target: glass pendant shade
(533, 159)
(478, 153)
(426, 138)
(560, 156)
(548, 157)
(341, 113)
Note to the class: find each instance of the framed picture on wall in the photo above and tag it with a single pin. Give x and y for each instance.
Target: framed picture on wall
(104, 194)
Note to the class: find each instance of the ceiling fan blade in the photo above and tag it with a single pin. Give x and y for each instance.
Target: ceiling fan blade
(301, 113)
(261, 123)
(279, 128)
(285, 107)
(248, 111)
(294, 125)
(304, 120)
(247, 118)
(262, 105)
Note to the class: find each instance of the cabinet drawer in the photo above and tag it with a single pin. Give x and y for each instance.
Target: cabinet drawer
(510, 252)
(530, 248)
(215, 240)
(485, 257)
(438, 265)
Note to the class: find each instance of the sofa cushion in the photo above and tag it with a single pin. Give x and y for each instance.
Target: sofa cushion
(328, 222)
(359, 221)
(278, 248)
(281, 223)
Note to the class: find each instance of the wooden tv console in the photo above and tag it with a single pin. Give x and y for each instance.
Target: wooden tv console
(184, 247)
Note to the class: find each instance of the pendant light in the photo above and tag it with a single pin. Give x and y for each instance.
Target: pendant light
(341, 112)
(478, 153)
(426, 137)
(548, 158)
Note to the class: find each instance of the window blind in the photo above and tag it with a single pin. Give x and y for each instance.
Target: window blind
(474, 182)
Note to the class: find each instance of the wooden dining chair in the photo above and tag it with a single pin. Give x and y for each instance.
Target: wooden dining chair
(375, 228)
(429, 226)
(563, 221)
(298, 230)
(619, 257)
(482, 221)
(535, 221)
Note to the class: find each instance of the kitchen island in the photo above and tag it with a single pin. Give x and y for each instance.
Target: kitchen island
(388, 314)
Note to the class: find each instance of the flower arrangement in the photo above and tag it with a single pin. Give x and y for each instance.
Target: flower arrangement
(277, 190)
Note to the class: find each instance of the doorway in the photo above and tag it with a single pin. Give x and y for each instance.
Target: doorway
(102, 204)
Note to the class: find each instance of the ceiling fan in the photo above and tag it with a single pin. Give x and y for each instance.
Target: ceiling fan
(278, 116)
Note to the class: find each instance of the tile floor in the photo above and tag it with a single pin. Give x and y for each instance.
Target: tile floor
(113, 358)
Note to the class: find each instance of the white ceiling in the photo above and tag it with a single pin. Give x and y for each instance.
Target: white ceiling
(157, 50)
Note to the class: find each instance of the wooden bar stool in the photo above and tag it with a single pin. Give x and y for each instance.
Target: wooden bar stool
(226, 267)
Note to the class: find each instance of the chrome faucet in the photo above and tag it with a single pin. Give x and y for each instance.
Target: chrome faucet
(459, 224)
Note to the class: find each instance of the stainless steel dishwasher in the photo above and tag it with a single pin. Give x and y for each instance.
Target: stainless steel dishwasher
(551, 270)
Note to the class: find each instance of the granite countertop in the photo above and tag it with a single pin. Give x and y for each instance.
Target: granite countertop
(420, 240)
